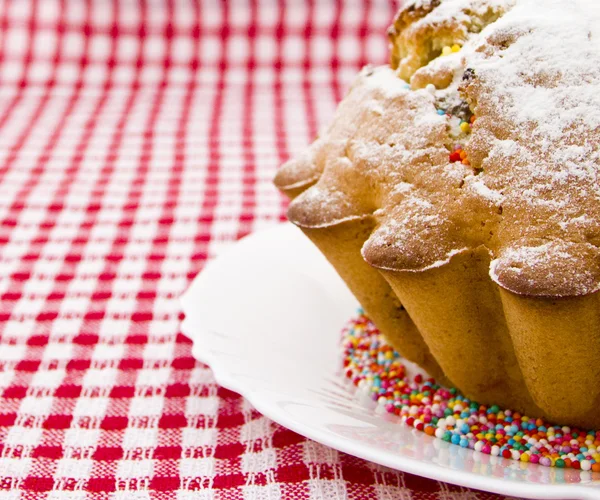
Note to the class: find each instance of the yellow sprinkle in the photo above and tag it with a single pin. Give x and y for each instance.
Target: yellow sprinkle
(447, 50)
(455, 48)
(524, 457)
(389, 355)
(465, 127)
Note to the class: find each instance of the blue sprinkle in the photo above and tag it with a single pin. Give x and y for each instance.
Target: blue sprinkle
(455, 439)
(465, 429)
(464, 443)
(441, 112)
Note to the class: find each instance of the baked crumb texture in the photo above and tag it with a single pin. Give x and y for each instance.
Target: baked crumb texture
(456, 192)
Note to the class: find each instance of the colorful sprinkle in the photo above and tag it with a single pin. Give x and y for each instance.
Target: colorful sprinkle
(465, 127)
(449, 49)
(460, 128)
(457, 155)
(460, 155)
(376, 368)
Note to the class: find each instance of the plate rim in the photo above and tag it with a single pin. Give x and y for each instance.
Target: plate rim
(400, 462)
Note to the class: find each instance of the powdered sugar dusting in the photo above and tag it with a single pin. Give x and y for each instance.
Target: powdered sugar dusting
(557, 51)
(384, 81)
(479, 187)
(529, 72)
(459, 10)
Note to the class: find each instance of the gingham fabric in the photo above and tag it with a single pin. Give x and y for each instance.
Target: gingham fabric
(137, 140)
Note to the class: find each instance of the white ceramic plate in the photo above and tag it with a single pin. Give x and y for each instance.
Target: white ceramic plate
(267, 315)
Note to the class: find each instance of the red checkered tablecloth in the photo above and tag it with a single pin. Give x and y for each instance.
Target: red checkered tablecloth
(137, 140)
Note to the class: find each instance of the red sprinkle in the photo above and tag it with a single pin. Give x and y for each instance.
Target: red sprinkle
(455, 156)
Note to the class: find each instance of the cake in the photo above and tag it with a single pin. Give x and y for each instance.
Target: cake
(456, 192)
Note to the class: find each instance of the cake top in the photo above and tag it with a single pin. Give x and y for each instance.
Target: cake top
(484, 131)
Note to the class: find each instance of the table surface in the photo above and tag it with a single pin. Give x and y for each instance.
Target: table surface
(137, 140)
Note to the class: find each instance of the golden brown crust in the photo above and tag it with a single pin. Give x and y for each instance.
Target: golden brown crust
(568, 269)
(341, 244)
(298, 174)
(458, 311)
(547, 339)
